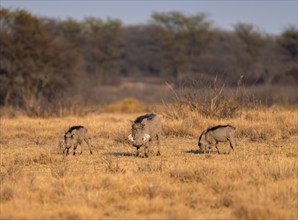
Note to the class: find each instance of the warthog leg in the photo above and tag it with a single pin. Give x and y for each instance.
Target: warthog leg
(146, 150)
(67, 150)
(217, 148)
(81, 145)
(212, 143)
(158, 147)
(74, 149)
(87, 142)
(232, 143)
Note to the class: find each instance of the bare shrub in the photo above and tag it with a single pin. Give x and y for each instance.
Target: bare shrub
(211, 99)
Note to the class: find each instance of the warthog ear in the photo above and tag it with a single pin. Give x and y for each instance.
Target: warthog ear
(146, 137)
(144, 122)
(66, 131)
(130, 138)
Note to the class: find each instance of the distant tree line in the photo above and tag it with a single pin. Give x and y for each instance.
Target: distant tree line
(45, 61)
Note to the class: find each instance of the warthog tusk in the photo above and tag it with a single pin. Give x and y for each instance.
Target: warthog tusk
(130, 138)
(146, 137)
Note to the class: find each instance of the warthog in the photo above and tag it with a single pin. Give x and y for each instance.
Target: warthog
(145, 129)
(75, 136)
(213, 135)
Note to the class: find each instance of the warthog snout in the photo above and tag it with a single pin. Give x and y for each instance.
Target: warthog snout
(68, 140)
(138, 142)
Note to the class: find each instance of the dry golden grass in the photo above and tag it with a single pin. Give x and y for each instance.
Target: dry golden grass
(258, 181)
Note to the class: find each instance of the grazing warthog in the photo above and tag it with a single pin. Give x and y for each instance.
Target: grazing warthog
(213, 135)
(75, 136)
(145, 129)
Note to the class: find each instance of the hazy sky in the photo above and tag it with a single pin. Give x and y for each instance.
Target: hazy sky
(269, 16)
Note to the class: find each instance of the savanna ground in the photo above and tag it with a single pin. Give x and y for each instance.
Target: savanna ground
(258, 181)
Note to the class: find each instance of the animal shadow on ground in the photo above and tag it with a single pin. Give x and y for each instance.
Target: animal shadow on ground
(202, 152)
(194, 152)
(121, 154)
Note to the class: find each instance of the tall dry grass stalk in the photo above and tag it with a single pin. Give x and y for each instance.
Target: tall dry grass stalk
(258, 181)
